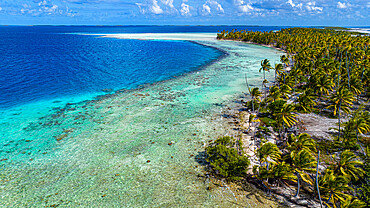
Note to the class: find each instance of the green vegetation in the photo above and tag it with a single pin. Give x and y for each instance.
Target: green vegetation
(327, 72)
(336, 28)
(364, 190)
(225, 160)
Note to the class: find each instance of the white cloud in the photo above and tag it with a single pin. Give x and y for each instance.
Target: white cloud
(170, 8)
(206, 9)
(44, 7)
(220, 9)
(294, 5)
(243, 7)
(141, 7)
(216, 5)
(291, 3)
(341, 5)
(50, 9)
(155, 8)
(43, 3)
(1, 8)
(70, 13)
(212, 5)
(185, 9)
(168, 3)
(311, 7)
(150, 7)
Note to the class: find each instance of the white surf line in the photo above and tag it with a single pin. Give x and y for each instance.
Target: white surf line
(360, 30)
(160, 36)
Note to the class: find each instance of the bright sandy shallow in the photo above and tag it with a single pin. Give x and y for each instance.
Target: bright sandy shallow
(360, 30)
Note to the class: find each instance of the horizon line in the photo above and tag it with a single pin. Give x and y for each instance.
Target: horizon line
(161, 25)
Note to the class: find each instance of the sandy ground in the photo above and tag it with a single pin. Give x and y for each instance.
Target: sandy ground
(319, 126)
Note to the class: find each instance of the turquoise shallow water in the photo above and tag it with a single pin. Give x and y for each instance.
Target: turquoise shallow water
(115, 152)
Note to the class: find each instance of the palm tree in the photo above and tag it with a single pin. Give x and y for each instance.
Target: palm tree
(359, 123)
(285, 90)
(323, 85)
(303, 162)
(256, 94)
(289, 80)
(278, 70)
(282, 172)
(283, 113)
(268, 153)
(353, 203)
(333, 188)
(347, 165)
(300, 142)
(265, 66)
(284, 60)
(341, 100)
(356, 86)
(286, 115)
(274, 93)
(306, 101)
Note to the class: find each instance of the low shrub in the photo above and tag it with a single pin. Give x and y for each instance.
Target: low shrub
(225, 160)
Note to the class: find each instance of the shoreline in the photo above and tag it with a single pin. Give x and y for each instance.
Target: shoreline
(237, 116)
(259, 44)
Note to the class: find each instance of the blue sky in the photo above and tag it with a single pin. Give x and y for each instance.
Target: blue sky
(186, 12)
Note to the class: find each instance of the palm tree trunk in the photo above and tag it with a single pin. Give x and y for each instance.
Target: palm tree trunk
(280, 133)
(267, 170)
(264, 81)
(328, 200)
(317, 177)
(298, 185)
(362, 149)
(363, 67)
(340, 63)
(340, 103)
(253, 104)
(362, 73)
(349, 86)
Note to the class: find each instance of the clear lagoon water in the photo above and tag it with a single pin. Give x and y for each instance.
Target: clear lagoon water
(87, 121)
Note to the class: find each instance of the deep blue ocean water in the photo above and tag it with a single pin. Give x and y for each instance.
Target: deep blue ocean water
(52, 62)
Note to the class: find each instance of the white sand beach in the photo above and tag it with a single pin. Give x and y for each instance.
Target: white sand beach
(162, 36)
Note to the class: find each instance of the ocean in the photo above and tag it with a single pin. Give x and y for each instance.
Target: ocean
(86, 121)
